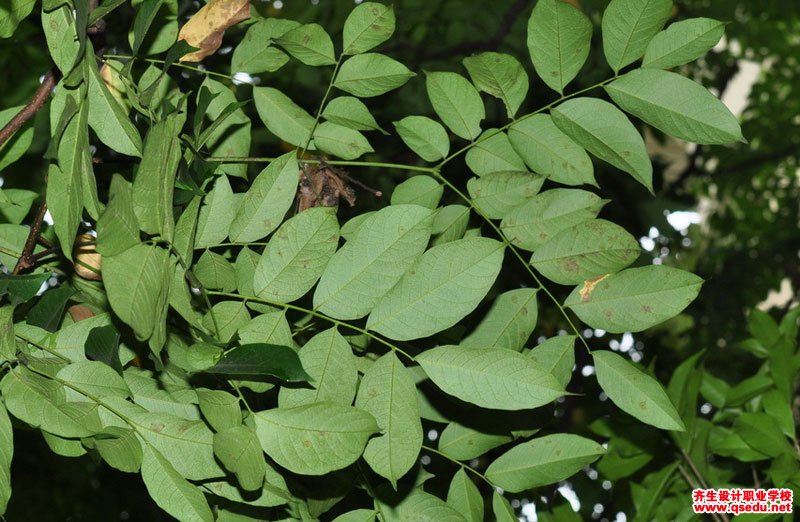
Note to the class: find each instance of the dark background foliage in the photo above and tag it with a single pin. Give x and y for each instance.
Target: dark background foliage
(747, 196)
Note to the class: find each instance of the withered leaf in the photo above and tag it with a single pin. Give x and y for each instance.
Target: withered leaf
(204, 30)
(322, 186)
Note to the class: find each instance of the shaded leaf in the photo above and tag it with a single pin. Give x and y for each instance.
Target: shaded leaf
(262, 359)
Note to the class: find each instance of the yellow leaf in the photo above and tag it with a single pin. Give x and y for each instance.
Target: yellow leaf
(204, 30)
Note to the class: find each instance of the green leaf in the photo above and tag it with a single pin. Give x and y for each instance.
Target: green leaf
(11, 14)
(262, 359)
(220, 409)
(357, 515)
(255, 53)
(120, 448)
(447, 283)
(682, 42)
(41, 403)
(557, 356)
(314, 439)
(239, 451)
(386, 245)
(341, 141)
(117, 228)
(418, 190)
(500, 75)
(170, 491)
(465, 443)
(464, 497)
(22, 288)
(606, 132)
(155, 178)
(368, 25)
(229, 133)
(422, 507)
(16, 146)
(8, 343)
(108, 119)
(628, 27)
(389, 393)
(49, 310)
(456, 102)
(95, 378)
(676, 105)
(134, 282)
(634, 299)
(310, 44)
(426, 137)
(550, 152)
(62, 37)
(271, 327)
(762, 433)
(542, 461)
(297, 255)
(351, 113)
(493, 154)
(245, 267)
(508, 323)
(635, 392)
(543, 216)
(163, 395)
(559, 39)
(283, 117)
(584, 251)
(495, 194)
(215, 272)
(371, 74)
(490, 377)
(6, 454)
(267, 200)
(502, 510)
(219, 209)
(332, 371)
(449, 224)
(186, 444)
(229, 315)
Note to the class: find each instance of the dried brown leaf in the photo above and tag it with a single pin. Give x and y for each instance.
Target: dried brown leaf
(204, 30)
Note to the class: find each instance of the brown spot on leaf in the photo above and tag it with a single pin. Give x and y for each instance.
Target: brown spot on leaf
(647, 309)
(588, 287)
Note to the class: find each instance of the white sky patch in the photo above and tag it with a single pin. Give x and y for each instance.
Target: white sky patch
(647, 243)
(568, 493)
(682, 219)
(242, 77)
(529, 512)
(48, 218)
(626, 343)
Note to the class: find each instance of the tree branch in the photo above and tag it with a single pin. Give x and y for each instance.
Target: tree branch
(27, 259)
(33, 106)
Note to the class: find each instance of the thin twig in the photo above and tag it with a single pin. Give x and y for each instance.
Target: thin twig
(33, 106)
(26, 259)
